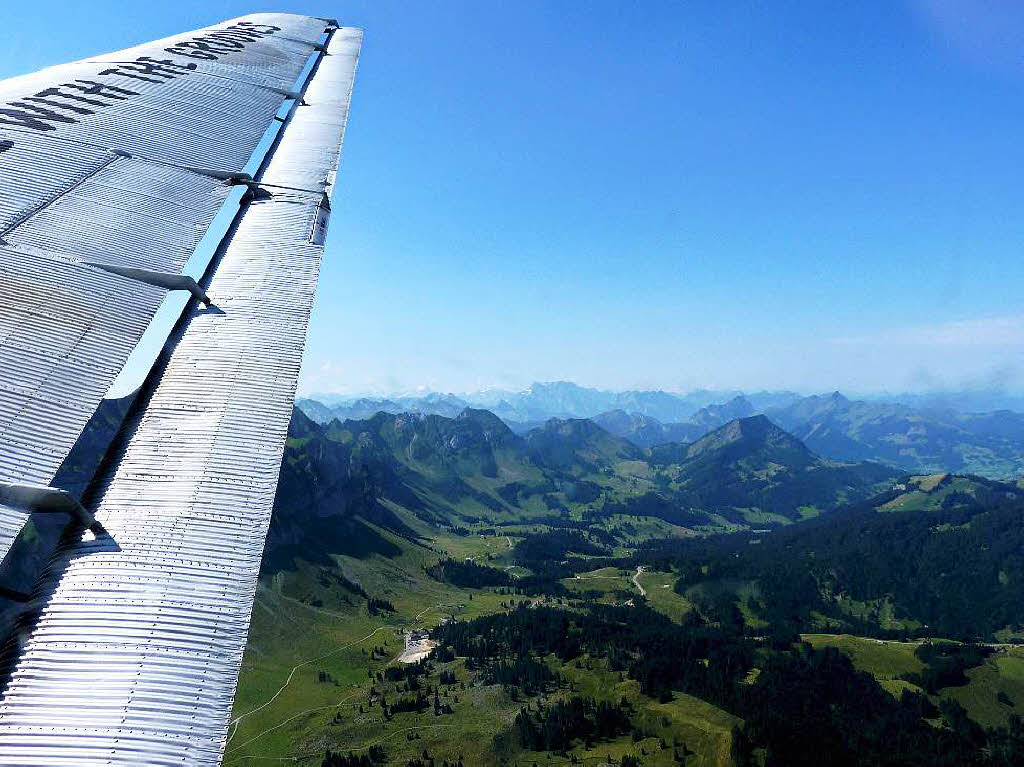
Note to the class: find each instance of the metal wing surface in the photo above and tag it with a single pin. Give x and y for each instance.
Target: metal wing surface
(112, 170)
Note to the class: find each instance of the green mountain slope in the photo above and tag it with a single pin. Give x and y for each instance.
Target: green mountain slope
(578, 446)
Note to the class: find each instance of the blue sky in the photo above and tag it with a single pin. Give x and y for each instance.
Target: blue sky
(672, 195)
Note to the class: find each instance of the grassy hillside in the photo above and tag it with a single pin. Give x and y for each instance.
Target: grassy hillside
(946, 491)
(991, 692)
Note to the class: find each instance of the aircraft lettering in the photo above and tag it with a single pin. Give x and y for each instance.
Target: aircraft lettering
(65, 103)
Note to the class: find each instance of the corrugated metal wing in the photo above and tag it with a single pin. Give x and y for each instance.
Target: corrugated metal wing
(135, 652)
(116, 160)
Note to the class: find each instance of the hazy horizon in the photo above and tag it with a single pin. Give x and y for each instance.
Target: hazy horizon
(851, 393)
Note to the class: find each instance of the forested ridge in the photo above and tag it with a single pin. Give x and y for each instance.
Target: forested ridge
(954, 573)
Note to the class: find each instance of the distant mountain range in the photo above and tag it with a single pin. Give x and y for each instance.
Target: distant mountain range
(564, 399)
(921, 437)
(646, 431)
(454, 472)
(559, 399)
(365, 407)
(987, 444)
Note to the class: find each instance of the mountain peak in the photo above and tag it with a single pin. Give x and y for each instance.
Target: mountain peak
(567, 441)
(619, 419)
(755, 433)
(572, 427)
(712, 416)
(302, 425)
(761, 428)
(493, 428)
(557, 386)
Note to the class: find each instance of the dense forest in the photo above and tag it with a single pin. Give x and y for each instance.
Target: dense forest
(956, 572)
(468, 573)
(555, 727)
(805, 707)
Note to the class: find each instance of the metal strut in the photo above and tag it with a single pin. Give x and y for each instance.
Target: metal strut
(288, 94)
(46, 499)
(159, 279)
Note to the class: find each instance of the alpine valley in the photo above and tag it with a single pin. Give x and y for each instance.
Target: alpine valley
(568, 576)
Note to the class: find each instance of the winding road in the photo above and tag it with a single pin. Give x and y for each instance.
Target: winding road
(636, 581)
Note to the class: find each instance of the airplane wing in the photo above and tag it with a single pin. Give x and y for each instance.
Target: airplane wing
(131, 650)
(112, 170)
